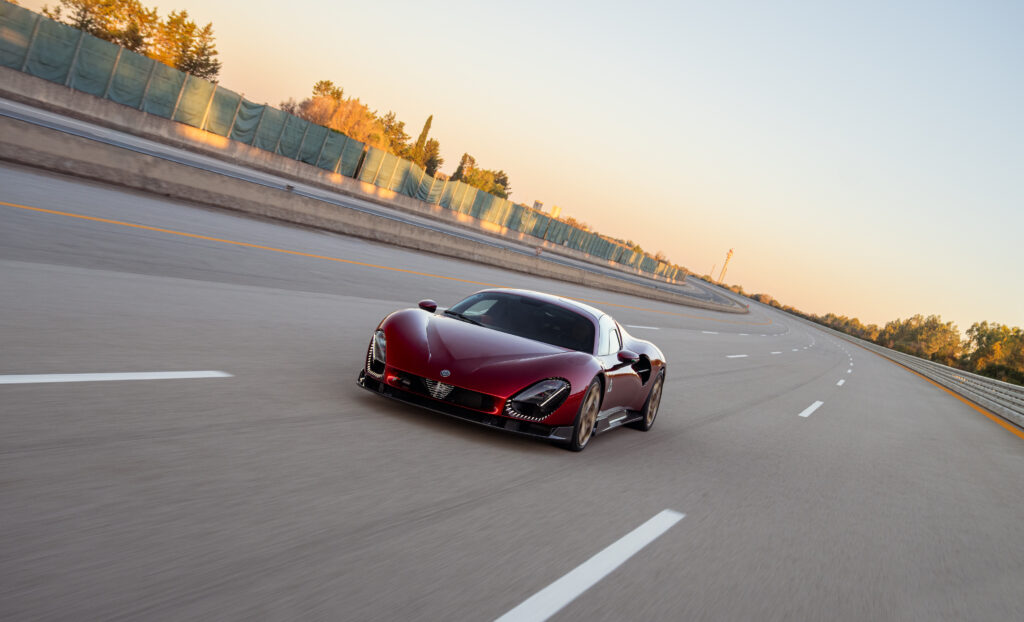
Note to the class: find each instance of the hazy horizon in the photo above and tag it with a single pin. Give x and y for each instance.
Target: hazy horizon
(863, 160)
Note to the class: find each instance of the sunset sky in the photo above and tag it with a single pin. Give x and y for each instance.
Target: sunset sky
(864, 158)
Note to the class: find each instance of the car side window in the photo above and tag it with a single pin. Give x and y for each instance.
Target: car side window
(610, 341)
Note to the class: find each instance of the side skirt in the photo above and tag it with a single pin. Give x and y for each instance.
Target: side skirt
(615, 418)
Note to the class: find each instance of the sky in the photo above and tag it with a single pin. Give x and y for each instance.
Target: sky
(862, 158)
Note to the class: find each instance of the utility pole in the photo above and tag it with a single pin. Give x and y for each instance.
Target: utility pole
(725, 266)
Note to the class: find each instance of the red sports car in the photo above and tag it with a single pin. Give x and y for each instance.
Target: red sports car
(521, 361)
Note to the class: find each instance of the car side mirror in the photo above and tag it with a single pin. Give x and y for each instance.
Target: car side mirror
(628, 356)
(428, 305)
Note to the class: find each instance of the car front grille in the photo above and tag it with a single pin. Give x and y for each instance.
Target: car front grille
(445, 392)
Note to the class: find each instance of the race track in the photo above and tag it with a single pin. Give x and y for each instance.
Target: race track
(280, 490)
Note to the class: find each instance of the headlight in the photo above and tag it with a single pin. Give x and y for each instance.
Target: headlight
(380, 347)
(540, 399)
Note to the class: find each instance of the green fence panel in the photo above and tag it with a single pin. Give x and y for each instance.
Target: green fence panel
(164, 87)
(247, 119)
(269, 129)
(50, 55)
(196, 97)
(130, 76)
(396, 181)
(222, 111)
(437, 188)
(16, 27)
(386, 170)
(410, 181)
(372, 165)
(95, 63)
(458, 192)
(537, 224)
(413, 178)
(312, 143)
(446, 194)
(499, 211)
(481, 203)
(514, 216)
(468, 199)
(291, 136)
(424, 188)
(350, 157)
(331, 154)
(555, 232)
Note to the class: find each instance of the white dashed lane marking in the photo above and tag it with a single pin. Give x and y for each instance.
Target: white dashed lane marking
(147, 375)
(735, 356)
(554, 597)
(841, 383)
(644, 327)
(813, 407)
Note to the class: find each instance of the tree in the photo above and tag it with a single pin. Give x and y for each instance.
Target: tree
(124, 22)
(198, 59)
(929, 338)
(432, 159)
(329, 107)
(419, 149)
(176, 41)
(467, 163)
(996, 351)
(394, 134)
(326, 88)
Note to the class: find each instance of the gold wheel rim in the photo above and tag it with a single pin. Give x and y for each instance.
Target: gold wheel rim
(587, 418)
(655, 401)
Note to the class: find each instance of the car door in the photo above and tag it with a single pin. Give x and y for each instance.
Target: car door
(622, 382)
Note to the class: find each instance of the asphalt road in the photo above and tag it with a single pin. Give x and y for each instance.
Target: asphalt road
(285, 492)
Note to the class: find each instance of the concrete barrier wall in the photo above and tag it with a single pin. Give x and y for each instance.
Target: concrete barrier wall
(40, 93)
(52, 150)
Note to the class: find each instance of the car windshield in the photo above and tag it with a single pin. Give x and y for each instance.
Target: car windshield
(528, 317)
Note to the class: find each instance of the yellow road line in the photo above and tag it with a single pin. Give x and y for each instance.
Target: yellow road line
(338, 259)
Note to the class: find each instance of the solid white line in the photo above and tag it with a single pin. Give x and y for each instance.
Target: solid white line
(813, 407)
(146, 375)
(735, 356)
(551, 599)
(709, 332)
(647, 327)
(841, 383)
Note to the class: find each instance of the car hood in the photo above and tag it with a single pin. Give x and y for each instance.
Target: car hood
(477, 358)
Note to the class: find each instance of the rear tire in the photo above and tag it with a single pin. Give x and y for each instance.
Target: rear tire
(586, 418)
(650, 410)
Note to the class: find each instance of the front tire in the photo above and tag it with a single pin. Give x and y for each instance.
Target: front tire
(586, 418)
(650, 410)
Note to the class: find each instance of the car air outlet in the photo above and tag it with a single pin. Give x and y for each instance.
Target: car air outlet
(438, 390)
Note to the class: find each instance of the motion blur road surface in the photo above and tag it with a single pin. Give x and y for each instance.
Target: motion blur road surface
(283, 491)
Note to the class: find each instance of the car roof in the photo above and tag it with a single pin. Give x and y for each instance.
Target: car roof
(594, 314)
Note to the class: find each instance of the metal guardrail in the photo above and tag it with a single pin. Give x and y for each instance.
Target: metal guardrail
(1002, 398)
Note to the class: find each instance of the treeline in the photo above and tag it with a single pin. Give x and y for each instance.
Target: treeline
(328, 106)
(174, 40)
(993, 350)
